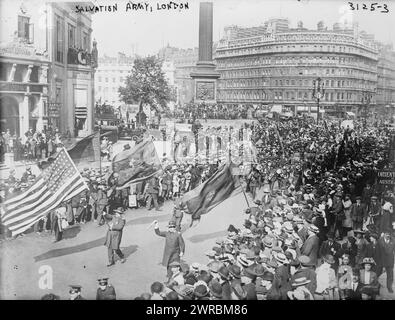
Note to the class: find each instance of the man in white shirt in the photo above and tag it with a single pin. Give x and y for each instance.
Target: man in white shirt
(326, 279)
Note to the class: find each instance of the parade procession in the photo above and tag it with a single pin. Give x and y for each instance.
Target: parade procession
(259, 165)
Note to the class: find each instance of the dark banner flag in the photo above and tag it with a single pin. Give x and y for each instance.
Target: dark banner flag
(137, 164)
(87, 149)
(210, 193)
(81, 152)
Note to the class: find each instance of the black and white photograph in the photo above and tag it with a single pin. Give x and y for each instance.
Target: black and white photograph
(197, 150)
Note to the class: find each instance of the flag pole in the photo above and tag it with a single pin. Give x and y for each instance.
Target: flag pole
(242, 189)
(75, 167)
(99, 149)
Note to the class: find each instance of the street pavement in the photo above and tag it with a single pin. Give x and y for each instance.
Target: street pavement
(81, 257)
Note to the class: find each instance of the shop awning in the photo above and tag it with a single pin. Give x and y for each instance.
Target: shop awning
(81, 112)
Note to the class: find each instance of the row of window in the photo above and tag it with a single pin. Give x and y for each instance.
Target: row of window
(71, 39)
(361, 84)
(284, 48)
(108, 71)
(352, 73)
(303, 96)
(106, 79)
(107, 89)
(296, 60)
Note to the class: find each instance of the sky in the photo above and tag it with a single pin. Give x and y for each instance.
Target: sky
(149, 31)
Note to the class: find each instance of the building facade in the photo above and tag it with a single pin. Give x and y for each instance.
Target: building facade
(181, 62)
(276, 65)
(110, 75)
(386, 78)
(47, 70)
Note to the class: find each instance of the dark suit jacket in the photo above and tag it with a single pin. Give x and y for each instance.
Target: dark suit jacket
(386, 253)
(251, 291)
(310, 248)
(310, 275)
(326, 249)
(173, 246)
(107, 294)
(114, 236)
(358, 212)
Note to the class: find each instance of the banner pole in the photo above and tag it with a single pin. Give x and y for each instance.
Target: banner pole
(242, 189)
(99, 149)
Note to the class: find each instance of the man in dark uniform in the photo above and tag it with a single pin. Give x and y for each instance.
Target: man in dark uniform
(374, 212)
(174, 246)
(105, 291)
(75, 292)
(102, 202)
(178, 214)
(93, 197)
(153, 191)
(114, 236)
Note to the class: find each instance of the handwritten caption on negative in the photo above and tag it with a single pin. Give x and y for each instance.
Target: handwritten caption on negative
(134, 6)
(378, 7)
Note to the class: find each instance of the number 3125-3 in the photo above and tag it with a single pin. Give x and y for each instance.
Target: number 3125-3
(373, 7)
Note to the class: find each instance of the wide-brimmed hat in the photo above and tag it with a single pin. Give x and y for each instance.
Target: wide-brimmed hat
(224, 272)
(268, 242)
(215, 266)
(305, 261)
(281, 257)
(314, 228)
(368, 260)
(184, 290)
(300, 281)
(215, 289)
(358, 231)
(120, 210)
(235, 271)
(244, 261)
(201, 291)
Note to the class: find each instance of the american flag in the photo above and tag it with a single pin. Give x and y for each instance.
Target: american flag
(57, 183)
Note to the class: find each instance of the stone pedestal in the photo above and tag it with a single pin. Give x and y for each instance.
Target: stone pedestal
(205, 75)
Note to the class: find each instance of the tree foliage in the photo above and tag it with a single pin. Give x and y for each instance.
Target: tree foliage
(146, 84)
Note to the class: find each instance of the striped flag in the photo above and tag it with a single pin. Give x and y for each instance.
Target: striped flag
(57, 183)
(211, 193)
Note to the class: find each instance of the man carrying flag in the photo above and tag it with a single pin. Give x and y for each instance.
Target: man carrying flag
(59, 182)
(211, 193)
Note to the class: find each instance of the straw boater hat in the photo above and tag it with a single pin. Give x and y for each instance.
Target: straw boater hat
(300, 281)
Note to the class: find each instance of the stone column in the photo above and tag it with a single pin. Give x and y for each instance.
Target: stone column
(40, 120)
(206, 32)
(12, 73)
(24, 115)
(205, 75)
(28, 73)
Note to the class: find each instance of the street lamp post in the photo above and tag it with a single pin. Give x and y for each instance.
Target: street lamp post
(366, 98)
(318, 93)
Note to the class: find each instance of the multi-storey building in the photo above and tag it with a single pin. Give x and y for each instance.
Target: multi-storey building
(46, 67)
(278, 65)
(110, 75)
(386, 78)
(184, 62)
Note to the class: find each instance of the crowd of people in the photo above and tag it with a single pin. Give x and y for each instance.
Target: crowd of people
(217, 111)
(320, 227)
(322, 230)
(34, 145)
